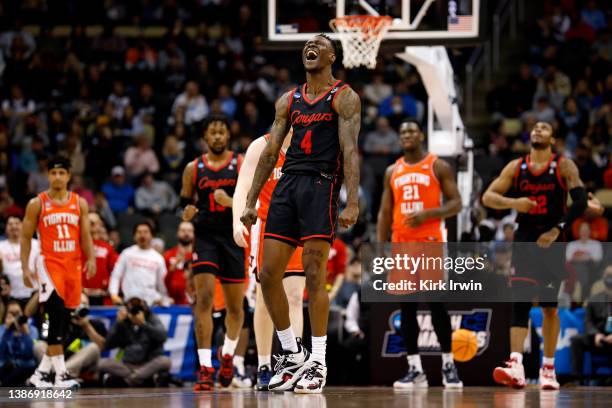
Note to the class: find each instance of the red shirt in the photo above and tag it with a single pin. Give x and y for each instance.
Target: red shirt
(175, 280)
(105, 262)
(599, 228)
(336, 262)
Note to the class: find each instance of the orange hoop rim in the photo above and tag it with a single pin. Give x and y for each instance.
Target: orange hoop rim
(365, 22)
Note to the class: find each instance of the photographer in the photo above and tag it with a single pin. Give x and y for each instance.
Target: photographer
(83, 342)
(141, 335)
(17, 361)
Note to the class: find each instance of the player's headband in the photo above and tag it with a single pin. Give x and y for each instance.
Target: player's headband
(60, 163)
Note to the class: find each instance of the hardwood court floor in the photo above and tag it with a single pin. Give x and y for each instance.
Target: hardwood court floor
(362, 397)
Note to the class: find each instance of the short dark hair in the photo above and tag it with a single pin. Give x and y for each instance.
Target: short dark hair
(334, 43)
(13, 216)
(412, 120)
(215, 117)
(59, 162)
(147, 224)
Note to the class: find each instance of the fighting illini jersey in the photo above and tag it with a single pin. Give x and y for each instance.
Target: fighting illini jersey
(315, 147)
(416, 188)
(59, 232)
(207, 179)
(265, 196)
(547, 189)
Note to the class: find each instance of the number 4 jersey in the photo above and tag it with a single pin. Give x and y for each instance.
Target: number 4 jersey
(544, 186)
(60, 263)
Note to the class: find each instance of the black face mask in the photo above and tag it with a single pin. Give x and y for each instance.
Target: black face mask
(185, 241)
(608, 281)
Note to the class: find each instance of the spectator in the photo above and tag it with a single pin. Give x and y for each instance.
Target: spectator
(228, 103)
(77, 185)
(154, 197)
(118, 192)
(8, 207)
(141, 158)
(252, 122)
(17, 108)
(38, 181)
(173, 161)
(597, 338)
(594, 17)
(140, 271)
(377, 90)
(176, 260)
(96, 287)
(336, 267)
(542, 111)
(350, 284)
(584, 255)
(141, 335)
(83, 341)
(10, 260)
(398, 106)
(589, 172)
(17, 362)
(193, 104)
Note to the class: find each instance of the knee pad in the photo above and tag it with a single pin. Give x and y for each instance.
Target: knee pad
(520, 314)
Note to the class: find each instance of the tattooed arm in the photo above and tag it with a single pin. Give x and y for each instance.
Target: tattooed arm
(268, 158)
(348, 106)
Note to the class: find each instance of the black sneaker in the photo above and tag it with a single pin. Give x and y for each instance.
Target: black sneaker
(288, 369)
(412, 380)
(264, 375)
(450, 378)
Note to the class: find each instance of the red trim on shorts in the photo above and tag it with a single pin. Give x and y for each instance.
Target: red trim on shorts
(290, 102)
(281, 237)
(205, 263)
(221, 166)
(316, 236)
(523, 279)
(308, 101)
(337, 92)
(230, 280)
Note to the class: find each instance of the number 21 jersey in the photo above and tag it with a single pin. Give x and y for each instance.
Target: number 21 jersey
(315, 147)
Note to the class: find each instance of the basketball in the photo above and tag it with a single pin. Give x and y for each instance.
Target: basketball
(464, 345)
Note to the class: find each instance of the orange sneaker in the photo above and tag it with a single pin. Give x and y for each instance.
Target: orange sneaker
(206, 379)
(226, 370)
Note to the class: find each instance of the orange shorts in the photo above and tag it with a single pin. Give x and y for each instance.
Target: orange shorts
(63, 276)
(294, 267)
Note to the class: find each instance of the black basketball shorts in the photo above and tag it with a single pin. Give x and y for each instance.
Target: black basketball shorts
(216, 252)
(303, 207)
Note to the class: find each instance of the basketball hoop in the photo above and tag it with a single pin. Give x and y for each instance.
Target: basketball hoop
(360, 36)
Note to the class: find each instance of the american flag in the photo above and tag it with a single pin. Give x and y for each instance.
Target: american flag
(460, 23)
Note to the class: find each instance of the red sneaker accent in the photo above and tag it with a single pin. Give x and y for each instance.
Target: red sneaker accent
(206, 379)
(226, 371)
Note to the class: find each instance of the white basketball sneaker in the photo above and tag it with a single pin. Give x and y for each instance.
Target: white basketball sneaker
(548, 378)
(513, 375)
(288, 369)
(313, 380)
(41, 379)
(65, 380)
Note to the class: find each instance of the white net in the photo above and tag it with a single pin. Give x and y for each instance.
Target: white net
(360, 37)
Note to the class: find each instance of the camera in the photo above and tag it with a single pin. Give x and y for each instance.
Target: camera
(20, 321)
(134, 310)
(80, 312)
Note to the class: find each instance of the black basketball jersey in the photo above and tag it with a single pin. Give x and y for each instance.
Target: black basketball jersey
(547, 189)
(207, 179)
(315, 147)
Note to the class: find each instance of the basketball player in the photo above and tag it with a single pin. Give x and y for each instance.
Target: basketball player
(537, 187)
(411, 209)
(211, 179)
(325, 115)
(294, 278)
(61, 219)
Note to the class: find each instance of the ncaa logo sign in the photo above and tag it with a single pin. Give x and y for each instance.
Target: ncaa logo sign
(476, 320)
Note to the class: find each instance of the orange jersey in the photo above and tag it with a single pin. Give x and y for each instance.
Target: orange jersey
(415, 188)
(59, 231)
(265, 196)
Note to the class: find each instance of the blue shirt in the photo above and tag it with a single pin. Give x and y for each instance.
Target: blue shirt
(119, 197)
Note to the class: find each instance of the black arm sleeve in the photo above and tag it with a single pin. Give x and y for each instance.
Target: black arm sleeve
(185, 201)
(579, 204)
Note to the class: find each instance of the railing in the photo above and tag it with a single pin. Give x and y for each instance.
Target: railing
(485, 59)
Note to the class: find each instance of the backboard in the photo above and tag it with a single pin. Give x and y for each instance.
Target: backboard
(421, 21)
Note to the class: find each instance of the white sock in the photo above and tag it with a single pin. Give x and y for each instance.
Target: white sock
(45, 364)
(414, 360)
(518, 357)
(318, 349)
(229, 346)
(264, 360)
(548, 361)
(239, 364)
(58, 364)
(204, 355)
(447, 358)
(287, 339)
